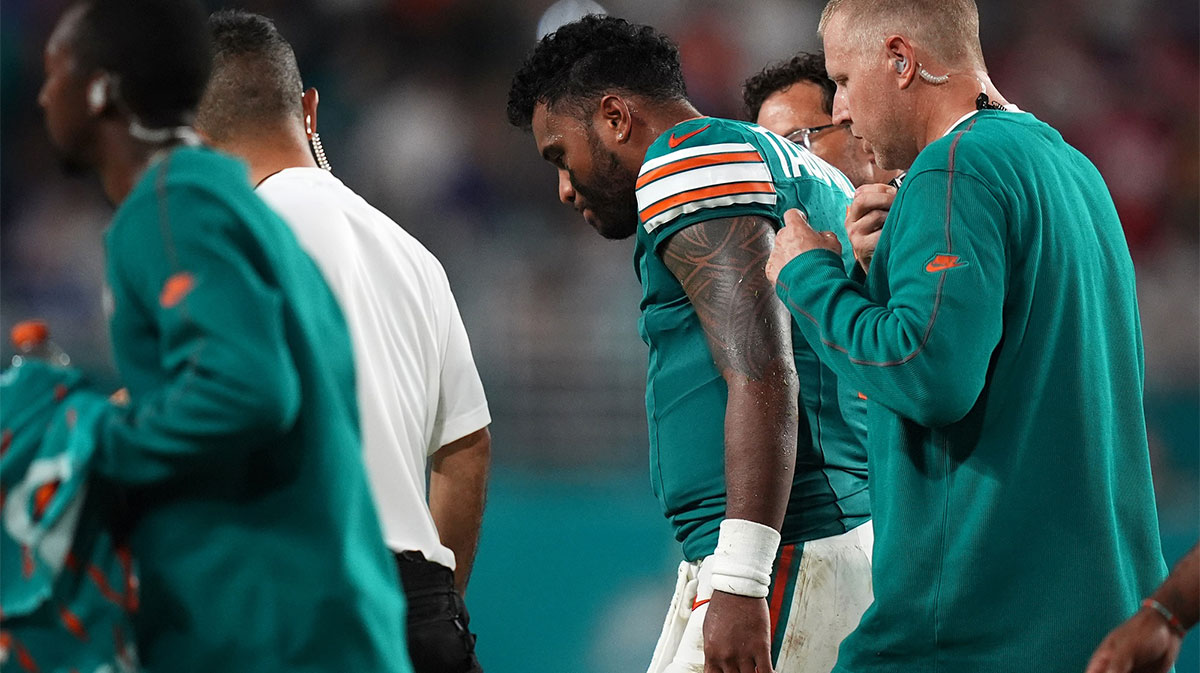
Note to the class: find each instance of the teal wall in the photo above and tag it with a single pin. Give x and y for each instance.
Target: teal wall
(575, 571)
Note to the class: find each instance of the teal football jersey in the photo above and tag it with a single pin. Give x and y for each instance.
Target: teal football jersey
(705, 169)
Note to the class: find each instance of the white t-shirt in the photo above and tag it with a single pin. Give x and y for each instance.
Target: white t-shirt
(418, 388)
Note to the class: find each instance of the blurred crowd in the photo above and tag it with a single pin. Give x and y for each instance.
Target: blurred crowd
(412, 117)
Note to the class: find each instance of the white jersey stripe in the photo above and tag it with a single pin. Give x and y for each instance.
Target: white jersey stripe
(716, 202)
(699, 178)
(694, 152)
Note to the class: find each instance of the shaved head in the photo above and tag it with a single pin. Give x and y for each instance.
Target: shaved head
(255, 81)
(947, 29)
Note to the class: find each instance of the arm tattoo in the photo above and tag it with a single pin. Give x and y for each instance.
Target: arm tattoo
(720, 264)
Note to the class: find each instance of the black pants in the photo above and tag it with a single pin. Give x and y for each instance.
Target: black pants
(439, 637)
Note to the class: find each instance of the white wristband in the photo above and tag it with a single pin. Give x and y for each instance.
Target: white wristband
(744, 557)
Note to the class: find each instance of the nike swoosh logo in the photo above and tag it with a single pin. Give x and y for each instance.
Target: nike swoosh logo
(943, 262)
(674, 142)
(176, 288)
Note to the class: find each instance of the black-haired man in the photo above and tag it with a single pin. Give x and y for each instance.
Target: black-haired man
(744, 453)
(251, 520)
(418, 390)
(794, 98)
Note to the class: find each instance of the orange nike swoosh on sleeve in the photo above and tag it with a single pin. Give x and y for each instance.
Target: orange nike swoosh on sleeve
(674, 142)
(943, 262)
(176, 288)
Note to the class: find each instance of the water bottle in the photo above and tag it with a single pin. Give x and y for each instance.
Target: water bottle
(31, 338)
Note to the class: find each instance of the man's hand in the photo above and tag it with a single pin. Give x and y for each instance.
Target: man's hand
(796, 239)
(1143, 644)
(864, 220)
(737, 635)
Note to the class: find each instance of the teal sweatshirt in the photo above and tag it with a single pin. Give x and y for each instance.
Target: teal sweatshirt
(255, 533)
(997, 340)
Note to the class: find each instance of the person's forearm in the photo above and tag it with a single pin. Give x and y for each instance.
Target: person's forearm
(457, 492)
(760, 445)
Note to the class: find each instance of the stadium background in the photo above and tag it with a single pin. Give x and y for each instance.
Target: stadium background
(576, 565)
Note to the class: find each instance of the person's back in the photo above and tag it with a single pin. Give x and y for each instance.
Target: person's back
(1009, 533)
(407, 335)
(255, 535)
(418, 391)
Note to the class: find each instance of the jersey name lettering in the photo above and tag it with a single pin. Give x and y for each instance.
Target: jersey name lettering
(798, 162)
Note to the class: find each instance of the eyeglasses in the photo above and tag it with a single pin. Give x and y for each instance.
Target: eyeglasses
(803, 137)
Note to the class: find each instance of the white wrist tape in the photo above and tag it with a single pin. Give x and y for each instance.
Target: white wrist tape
(744, 557)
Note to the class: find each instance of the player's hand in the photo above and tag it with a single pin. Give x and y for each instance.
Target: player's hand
(795, 239)
(737, 635)
(864, 220)
(1143, 644)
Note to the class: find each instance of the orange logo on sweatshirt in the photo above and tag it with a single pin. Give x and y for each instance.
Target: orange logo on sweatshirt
(176, 288)
(943, 262)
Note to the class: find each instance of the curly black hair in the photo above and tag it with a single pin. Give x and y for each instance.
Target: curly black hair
(592, 56)
(802, 67)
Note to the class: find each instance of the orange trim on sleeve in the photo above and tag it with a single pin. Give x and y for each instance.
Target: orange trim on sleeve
(697, 162)
(706, 193)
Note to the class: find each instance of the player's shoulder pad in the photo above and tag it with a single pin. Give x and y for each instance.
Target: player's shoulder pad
(701, 163)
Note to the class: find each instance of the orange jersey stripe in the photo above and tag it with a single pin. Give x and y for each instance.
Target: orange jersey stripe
(697, 162)
(775, 603)
(706, 193)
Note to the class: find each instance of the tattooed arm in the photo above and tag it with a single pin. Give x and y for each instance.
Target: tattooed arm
(720, 265)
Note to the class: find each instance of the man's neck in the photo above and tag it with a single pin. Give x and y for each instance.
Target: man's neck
(269, 151)
(665, 116)
(121, 161)
(949, 103)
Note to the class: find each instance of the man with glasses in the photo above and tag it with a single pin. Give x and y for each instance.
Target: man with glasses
(758, 471)
(795, 99)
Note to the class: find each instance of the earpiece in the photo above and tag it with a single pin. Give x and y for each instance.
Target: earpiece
(318, 151)
(308, 124)
(933, 79)
(901, 64)
(97, 95)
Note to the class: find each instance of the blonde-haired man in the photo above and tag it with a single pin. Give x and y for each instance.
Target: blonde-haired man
(998, 343)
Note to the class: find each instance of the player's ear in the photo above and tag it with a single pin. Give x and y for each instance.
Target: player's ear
(615, 119)
(308, 102)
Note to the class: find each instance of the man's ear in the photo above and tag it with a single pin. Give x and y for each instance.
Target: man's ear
(99, 93)
(903, 58)
(615, 118)
(308, 102)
